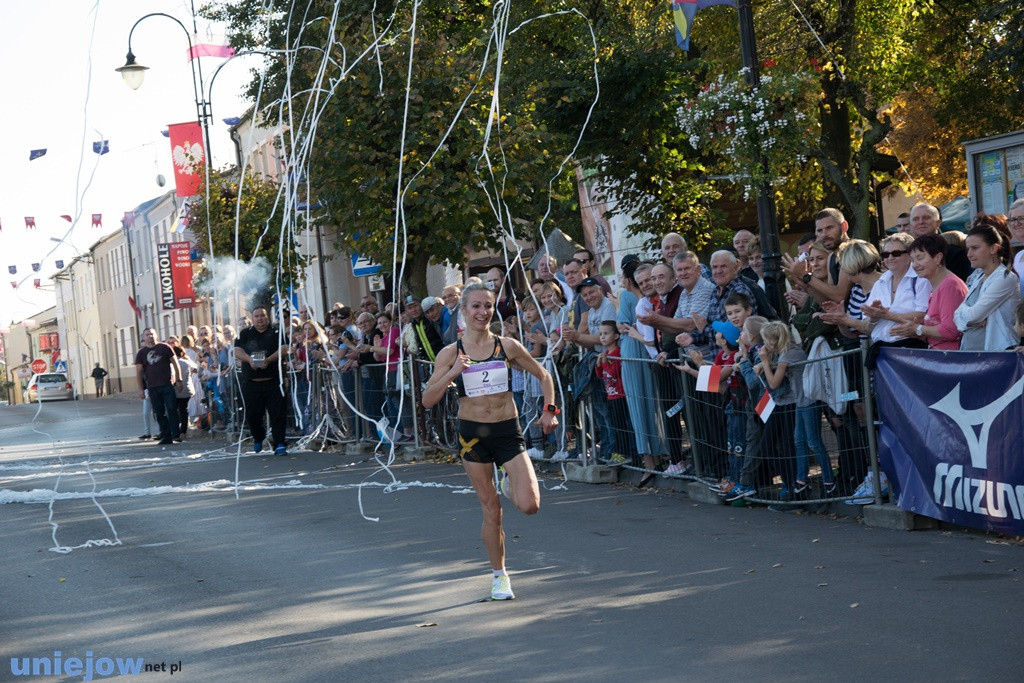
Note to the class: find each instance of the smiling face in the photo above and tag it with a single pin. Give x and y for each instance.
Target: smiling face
(687, 273)
(643, 282)
(1016, 223)
(383, 324)
(478, 309)
(924, 264)
(670, 246)
(663, 279)
(819, 263)
(592, 296)
(896, 257)
(922, 221)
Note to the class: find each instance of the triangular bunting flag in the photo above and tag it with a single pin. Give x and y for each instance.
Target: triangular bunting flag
(59, 263)
(97, 220)
(36, 267)
(101, 147)
(37, 283)
(709, 378)
(14, 284)
(765, 406)
(30, 222)
(66, 217)
(36, 153)
(13, 270)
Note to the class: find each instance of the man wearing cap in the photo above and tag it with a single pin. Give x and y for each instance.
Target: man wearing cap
(599, 309)
(428, 337)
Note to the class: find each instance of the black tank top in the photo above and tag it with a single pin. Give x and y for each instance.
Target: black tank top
(497, 354)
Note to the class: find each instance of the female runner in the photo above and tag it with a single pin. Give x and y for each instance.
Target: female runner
(489, 432)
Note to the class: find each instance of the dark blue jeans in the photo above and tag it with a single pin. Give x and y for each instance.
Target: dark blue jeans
(165, 405)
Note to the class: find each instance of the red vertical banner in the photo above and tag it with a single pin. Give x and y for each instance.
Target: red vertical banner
(188, 155)
(174, 261)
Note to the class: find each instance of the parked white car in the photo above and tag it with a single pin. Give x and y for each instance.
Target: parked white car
(49, 386)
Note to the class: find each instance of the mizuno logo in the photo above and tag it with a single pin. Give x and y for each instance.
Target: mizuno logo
(967, 420)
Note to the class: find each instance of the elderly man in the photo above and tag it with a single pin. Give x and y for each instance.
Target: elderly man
(725, 269)
(368, 305)
(692, 296)
(430, 328)
(739, 242)
(672, 244)
(709, 429)
(451, 316)
(547, 270)
(925, 220)
(599, 309)
(666, 379)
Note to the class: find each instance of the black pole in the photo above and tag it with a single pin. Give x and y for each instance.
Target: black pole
(768, 227)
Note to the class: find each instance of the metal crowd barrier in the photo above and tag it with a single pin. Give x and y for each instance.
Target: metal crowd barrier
(690, 430)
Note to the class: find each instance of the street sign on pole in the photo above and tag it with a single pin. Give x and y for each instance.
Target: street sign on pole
(38, 366)
(60, 366)
(376, 283)
(363, 266)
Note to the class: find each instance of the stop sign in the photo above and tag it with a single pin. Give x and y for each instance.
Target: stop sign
(38, 366)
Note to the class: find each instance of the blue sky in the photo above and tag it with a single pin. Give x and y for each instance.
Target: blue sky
(53, 101)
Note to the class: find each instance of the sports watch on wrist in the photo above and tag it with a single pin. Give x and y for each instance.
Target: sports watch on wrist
(553, 409)
(920, 330)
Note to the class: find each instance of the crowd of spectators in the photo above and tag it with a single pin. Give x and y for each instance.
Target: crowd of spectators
(630, 354)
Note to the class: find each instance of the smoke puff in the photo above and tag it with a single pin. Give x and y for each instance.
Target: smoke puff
(229, 277)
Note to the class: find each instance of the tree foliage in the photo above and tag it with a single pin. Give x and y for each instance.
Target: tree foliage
(480, 154)
(247, 229)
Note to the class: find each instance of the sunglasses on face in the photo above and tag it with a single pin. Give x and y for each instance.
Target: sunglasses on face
(895, 254)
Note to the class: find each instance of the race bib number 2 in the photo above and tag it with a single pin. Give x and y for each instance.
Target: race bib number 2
(483, 379)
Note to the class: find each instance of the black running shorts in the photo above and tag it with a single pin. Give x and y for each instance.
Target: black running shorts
(491, 442)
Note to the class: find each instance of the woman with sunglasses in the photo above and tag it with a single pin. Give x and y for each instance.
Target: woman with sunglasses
(899, 295)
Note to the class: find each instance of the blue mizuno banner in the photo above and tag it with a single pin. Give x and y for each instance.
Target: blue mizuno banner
(952, 434)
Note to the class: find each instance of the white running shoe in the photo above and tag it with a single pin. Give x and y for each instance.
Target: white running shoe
(560, 455)
(535, 454)
(501, 588)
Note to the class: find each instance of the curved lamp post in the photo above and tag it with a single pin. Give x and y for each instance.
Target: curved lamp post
(134, 73)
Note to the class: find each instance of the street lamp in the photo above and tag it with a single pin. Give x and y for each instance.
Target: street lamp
(134, 73)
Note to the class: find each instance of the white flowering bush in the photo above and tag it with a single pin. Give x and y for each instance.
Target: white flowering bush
(756, 132)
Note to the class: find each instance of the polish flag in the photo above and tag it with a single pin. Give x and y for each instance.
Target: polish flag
(765, 406)
(210, 50)
(188, 155)
(709, 378)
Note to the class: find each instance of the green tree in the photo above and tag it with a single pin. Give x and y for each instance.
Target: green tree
(248, 229)
(471, 173)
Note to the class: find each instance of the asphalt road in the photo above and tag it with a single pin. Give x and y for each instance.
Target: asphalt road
(284, 579)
